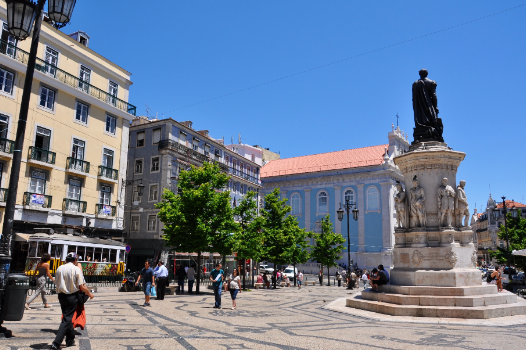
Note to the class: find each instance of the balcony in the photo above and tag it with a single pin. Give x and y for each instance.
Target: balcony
(108, 174)
(77, 166)
(103, 211)
(244, 176)
(66, 78)
(3, 196)
(36, 201)
(6, 148)
(41, 157)
(73, 207)
(189, 154)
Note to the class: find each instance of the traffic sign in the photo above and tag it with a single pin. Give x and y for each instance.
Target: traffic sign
(128, 249)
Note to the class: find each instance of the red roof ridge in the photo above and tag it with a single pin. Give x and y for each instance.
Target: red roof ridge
(319, 154)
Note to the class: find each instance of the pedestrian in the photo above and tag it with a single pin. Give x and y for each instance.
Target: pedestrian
(320, 277)
(299, 278)
(339, 278)
(191, 278)
(364, 279)
(180, 273)
(217, 276)
(41, 272)
(147, 283)
(381, 268)
(353, 279)
(69, 280)
(286, 280)
(378, 279)
(161, 272)
(234, 288)
(266, 281)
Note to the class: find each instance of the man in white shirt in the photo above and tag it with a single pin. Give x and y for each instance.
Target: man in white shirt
(161, 272)
(190, 274)
(69, 281)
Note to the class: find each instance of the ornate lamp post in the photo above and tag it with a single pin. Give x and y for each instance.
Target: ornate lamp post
(348, 205)
(495, 216)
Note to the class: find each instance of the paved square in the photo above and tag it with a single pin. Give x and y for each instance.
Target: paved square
(286, 318)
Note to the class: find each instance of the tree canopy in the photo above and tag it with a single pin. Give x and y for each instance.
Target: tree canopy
(328, 245)
(517, 239)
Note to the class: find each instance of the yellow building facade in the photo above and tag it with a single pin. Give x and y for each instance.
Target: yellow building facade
(76, 141)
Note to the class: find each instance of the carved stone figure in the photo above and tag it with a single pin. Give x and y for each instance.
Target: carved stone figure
(461, 205)
(428, 127)
(417, 201)
(446, 204)
(401, 206)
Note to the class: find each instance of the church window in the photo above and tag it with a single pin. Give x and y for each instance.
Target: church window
(349, 196)
(295, 202)
(323, 201)
(372, 199)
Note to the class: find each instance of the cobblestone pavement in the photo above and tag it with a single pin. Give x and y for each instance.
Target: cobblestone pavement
(286, 318)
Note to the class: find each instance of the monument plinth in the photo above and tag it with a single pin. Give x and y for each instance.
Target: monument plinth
(434, 270)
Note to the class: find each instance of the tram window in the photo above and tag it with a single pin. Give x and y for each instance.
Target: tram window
(81, 252)
(97, 256)
(89, 254)
(42, 248)
(72, 249)
(121, 255)
(32, 249)
(105, 255)
(113, 256)
(56, 251)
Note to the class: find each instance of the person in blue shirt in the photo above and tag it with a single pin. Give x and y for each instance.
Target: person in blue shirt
(148, 281)
(217, 276)
(161, 272)
(381, 268)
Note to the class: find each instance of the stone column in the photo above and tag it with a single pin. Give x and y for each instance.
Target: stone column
(387, 216)
(307, 209)
(360, 198)
(337, 201)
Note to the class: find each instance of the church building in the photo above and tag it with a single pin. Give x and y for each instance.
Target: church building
(315, 185)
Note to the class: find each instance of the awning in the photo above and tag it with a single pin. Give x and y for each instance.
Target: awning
(519, 252)
(22, 237)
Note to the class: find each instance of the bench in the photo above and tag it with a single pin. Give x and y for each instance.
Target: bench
(258, 285)
(309, 282)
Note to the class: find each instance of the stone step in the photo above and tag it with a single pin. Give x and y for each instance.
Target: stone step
(477, 312)
(482, 289)
(433, 300)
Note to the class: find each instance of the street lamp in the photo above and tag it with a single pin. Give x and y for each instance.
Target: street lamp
(21, 15)
(348, 206)
(495, 216)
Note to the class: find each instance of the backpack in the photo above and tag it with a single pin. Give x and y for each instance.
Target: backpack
(489, 278)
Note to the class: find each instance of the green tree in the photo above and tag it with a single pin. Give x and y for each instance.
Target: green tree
(298, 252)
(278, 230)
(199, 218)
(328, 246)
(517, 239)
(248, 239)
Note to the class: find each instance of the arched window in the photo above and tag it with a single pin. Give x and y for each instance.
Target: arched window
(373, 202)
(349, 196)
(323, 201)
(295, 202)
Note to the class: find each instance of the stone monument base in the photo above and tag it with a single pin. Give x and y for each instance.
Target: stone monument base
(448, 278)
(469, 302)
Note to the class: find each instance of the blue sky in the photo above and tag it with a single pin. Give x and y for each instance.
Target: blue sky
(185, 52)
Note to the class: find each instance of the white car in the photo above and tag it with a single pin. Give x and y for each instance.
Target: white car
(289, 272)
(265, 268)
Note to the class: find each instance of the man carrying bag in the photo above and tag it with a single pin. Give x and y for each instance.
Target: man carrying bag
(69, 281)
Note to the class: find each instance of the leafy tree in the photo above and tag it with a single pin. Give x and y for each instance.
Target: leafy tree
(247, 240)
(328, 247)
(199, 218)
(298, 246)
(517, 239)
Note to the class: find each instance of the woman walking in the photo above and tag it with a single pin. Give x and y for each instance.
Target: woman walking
(234, 288)
(41, 272)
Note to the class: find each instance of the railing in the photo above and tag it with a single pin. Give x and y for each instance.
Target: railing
(244, 175)
(37, 200)
(42, 155)
(6, 145)
(66, 78)
(108, 173)
(77, 165)
(190, 153)
(74, 205)
(3, 194)
(102, 209)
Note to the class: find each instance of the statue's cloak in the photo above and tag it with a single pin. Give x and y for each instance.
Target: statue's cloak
(423, 106)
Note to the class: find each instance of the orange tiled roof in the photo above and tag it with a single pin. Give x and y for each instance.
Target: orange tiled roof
(511, 204)
(351, 158)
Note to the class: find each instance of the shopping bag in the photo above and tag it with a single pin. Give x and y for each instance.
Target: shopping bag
(153, 291)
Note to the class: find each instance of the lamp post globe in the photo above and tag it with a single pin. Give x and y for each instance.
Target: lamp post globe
(60, 11)
(140, 189)
(355, 213)
(20, 18)
(340, 213)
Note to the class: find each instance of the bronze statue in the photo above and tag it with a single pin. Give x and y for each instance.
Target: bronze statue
(428, 127)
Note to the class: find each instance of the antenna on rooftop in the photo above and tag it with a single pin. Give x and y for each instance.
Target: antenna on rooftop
(147, 111)
(397, 119)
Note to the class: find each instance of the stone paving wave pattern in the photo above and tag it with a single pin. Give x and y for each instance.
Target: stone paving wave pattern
(287, 319)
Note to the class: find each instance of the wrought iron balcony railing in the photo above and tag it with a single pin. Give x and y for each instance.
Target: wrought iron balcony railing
(244, 175)
(3, 194)
(74, 205)
(42, 155)
(108, 173)
(77, 165)
(66, 78)
(37, 200)
(190, 153)
(6, 145)
(106, 210)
